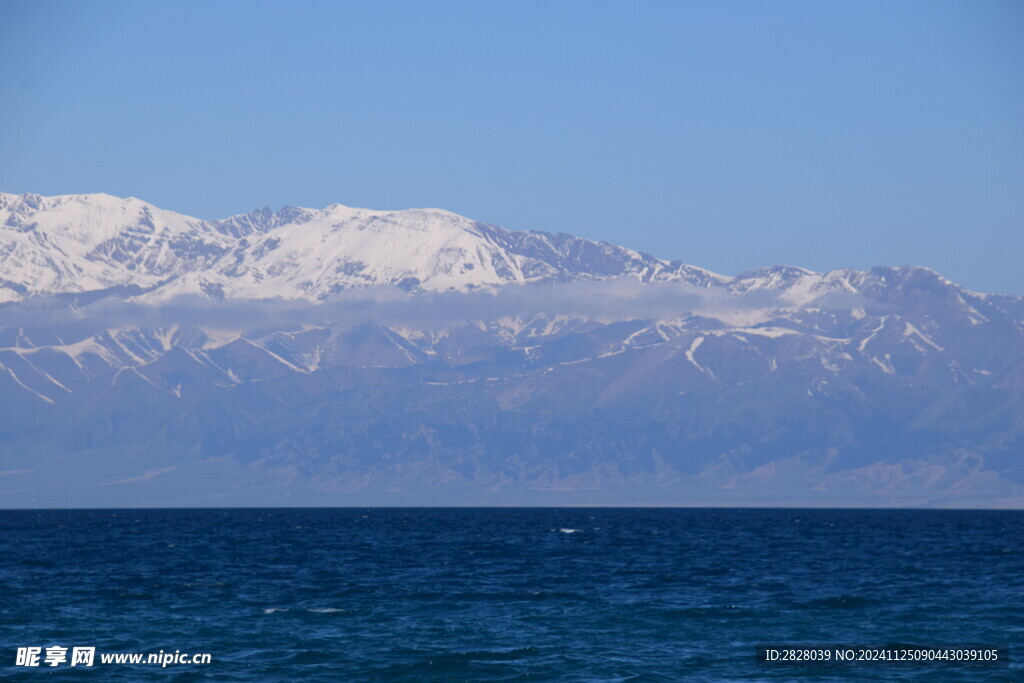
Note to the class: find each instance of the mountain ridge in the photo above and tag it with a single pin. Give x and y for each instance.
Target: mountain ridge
(161, 359)
(88, 242)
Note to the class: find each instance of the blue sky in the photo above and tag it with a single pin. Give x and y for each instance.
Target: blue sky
(730, 135)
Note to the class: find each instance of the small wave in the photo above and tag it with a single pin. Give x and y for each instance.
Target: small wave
(194, 584)
(326, 610)
(709, 611)
(570, 531)
(839, 602)
(271, 610)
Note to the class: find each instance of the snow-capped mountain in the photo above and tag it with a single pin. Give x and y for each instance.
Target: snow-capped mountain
(514, 367)
(81, 243)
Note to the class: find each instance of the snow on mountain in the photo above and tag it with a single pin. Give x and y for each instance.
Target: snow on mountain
(95, 242)
(781, 381)
(81, 243)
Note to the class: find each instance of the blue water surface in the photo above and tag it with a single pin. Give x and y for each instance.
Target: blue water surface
(504, 594)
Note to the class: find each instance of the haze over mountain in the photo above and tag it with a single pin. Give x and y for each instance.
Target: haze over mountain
(347, 356)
